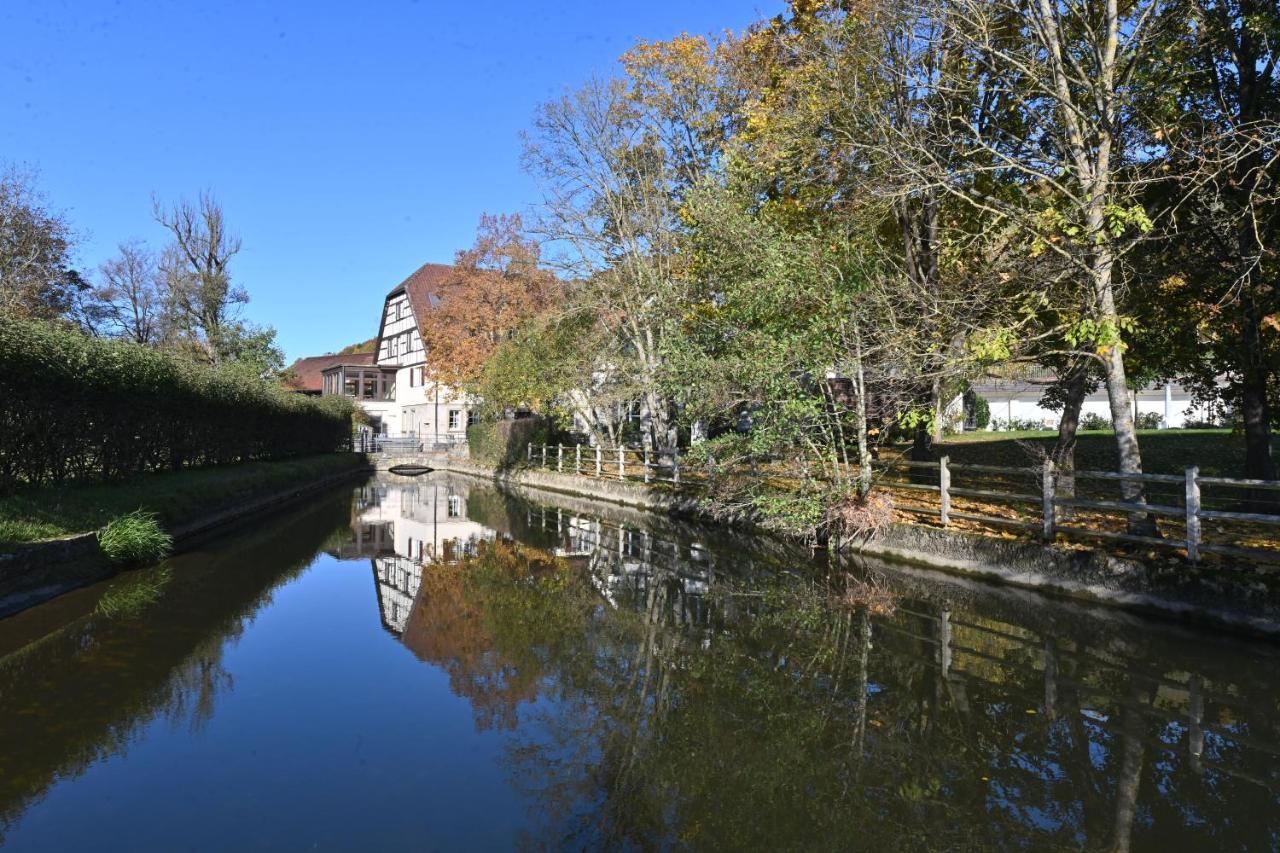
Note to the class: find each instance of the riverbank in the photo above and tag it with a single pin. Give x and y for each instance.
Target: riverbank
(1244, 602)
(48, 540)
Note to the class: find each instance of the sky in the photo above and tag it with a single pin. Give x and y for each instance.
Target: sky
(348, 143)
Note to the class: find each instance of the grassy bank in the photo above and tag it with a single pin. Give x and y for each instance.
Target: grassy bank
(1216, 451)
(176, 497)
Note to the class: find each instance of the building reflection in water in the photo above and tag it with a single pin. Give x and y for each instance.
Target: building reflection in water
(404, 527)
(1053, 721)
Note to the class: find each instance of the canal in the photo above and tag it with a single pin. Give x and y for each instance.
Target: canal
(434, 664)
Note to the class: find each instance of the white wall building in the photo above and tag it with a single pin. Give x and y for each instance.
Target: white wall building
(396, 390)
(1018, 401)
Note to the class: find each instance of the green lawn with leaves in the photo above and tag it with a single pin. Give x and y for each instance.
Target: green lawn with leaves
(175, 497)
(1218, 452)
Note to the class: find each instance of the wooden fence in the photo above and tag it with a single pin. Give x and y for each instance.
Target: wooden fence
(1048, 502)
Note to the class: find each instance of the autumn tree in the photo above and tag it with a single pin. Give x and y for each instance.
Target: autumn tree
(616, 160)
(36, 274)
(496, 285)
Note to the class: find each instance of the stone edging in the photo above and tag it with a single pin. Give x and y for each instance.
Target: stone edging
(1200, 597)
(40, 571)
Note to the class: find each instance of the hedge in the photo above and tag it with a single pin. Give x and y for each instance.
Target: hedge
(503, 444)
(76, 408)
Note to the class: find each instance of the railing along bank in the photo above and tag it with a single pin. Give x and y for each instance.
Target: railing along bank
(1046, 511)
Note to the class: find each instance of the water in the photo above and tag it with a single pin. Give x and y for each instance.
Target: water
(430, 664)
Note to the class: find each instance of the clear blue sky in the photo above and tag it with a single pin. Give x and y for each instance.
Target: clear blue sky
(347, 142)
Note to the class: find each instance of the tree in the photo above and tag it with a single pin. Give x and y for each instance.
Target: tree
(1217, 264)
(129, 301)
(496, 286)
(616, 159)
(36, 277)
(197, 278)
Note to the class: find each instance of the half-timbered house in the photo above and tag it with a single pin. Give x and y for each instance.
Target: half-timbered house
(396, 390)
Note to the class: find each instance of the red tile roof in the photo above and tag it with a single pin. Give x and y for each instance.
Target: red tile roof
(305, 373)
(426, 286)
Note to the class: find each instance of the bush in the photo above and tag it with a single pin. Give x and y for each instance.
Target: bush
(503, 444)
(134, 538)
(80, 409)
(981, 412)
(1017, 424)
(1092, 421)
(1148, 420)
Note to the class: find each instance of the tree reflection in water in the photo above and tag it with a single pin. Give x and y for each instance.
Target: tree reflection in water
(664, 689)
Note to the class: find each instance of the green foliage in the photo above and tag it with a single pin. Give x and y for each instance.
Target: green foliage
(134, 538)
(1094, 422)
(981, 412)
(175, 496)
(82, 409)
(504, 443)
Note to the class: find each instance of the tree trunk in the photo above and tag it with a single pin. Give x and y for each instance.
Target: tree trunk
(1064, 449)
(1140, 523)
(1259, 464)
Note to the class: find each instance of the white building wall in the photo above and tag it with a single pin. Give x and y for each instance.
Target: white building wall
(1021, 402)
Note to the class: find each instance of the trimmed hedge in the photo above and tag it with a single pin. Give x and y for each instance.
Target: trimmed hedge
(503, 444)
(76, 408)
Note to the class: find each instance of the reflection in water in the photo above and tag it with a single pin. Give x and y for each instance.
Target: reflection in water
(84, 692)
(626, 681)
(693, 693)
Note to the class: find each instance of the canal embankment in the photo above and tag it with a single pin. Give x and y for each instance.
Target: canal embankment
(48, 537)
(1244, 601)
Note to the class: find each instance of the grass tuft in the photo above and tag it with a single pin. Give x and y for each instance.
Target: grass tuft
(135, 538)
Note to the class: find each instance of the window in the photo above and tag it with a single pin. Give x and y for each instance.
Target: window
(455, 419)
(472, 418)
(455, 506)
(414, 377)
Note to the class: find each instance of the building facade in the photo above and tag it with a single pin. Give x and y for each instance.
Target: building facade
(394, 386)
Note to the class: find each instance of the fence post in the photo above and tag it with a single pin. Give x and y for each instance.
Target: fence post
(711, 469)
(944, 488)
(530, 459)
(577, 459)
(622, 471)
(1049, 526)
(599, 459)
(675, 465)
(544, 456)
(560, 457)
(1193, 514)
(646, 464)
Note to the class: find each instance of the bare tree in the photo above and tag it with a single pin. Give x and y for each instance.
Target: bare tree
(129, 302)
(197, 278)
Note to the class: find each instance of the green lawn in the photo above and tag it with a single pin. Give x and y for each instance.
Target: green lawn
(1169, 451)
(30, 516)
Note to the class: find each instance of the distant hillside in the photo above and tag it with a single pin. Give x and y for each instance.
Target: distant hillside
(363, 346)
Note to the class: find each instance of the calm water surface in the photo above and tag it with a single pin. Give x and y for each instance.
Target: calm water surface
(431, 664)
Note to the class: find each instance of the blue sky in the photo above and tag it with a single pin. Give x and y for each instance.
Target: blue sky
(347, 142)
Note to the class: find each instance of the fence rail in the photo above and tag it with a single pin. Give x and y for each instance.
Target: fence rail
(1047, 510)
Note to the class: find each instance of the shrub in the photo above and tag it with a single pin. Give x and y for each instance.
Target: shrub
(1092, 421)
(134, 538)
(981, 413)
(1017, 424)
(1148, 420)
(78, 408)
(504, 443)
